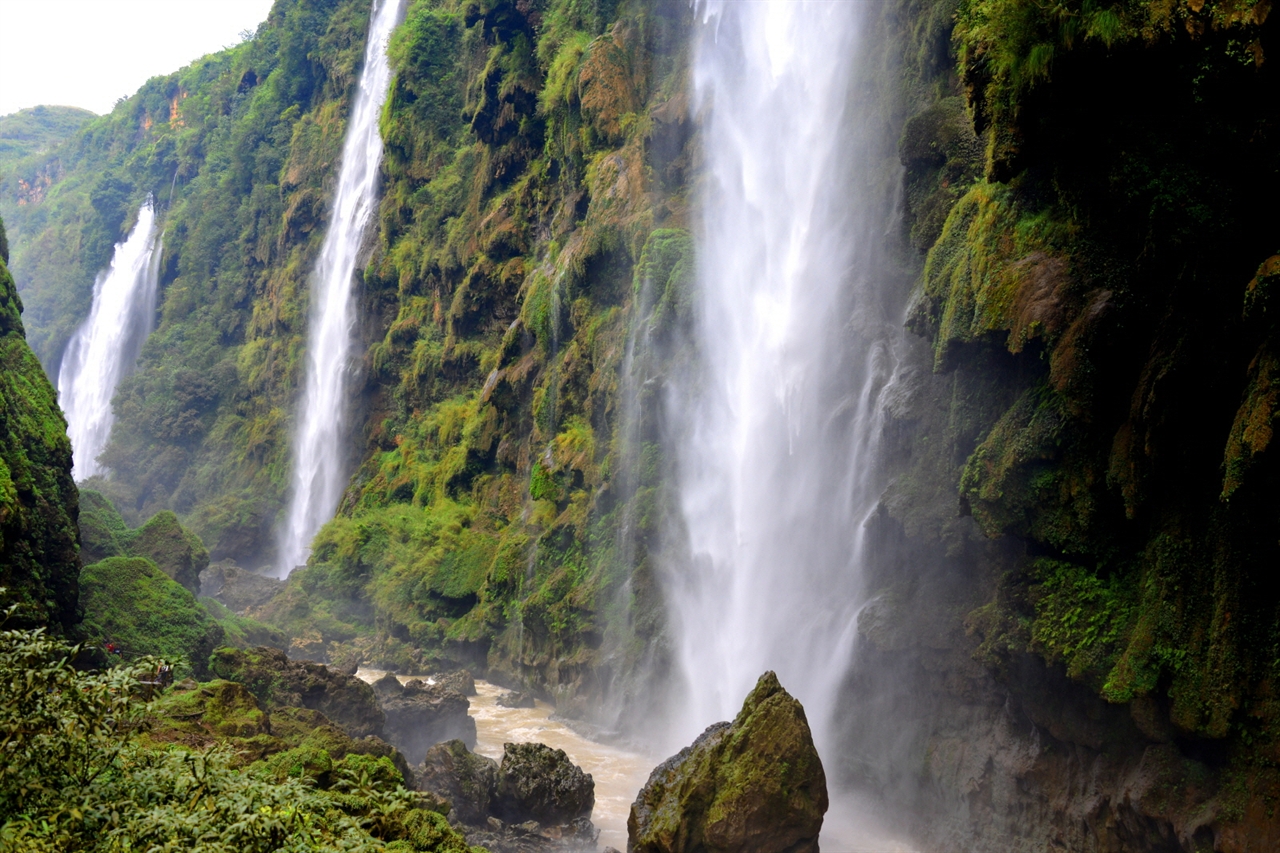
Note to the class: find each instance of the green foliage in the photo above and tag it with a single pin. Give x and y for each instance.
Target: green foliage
(35, 130)
(1081, 619)
(77, 777)
(39, 541)
(130, 602)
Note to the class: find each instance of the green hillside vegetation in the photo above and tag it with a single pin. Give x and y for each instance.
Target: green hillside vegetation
(90, 764)
(35, 130)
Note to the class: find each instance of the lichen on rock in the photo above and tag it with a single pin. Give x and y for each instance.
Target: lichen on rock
(755, 785)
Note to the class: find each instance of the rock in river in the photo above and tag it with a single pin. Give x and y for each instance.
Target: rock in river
(755, 785)
(420, 715)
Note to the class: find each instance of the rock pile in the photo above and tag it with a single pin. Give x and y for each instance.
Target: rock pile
(535, 799)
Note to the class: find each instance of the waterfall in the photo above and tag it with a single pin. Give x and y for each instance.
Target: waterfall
(106, 346)
(779, 420)
(319, 457)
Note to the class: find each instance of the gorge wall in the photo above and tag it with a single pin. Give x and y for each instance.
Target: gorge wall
(1070, 638)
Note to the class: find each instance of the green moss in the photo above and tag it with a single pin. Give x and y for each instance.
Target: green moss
(39, 503)
(130, 602)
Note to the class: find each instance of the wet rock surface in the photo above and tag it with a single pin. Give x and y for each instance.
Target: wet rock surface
(236, 588)
(420, 715)
(466, 780)
(516, 699)
(755, 785)
(279, 682)
(460, 680)
(536, 799)
(536, 782)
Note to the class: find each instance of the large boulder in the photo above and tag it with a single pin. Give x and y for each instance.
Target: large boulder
(280, 683)
(420, 715)
(753, 786)
(536, 782)
(468, 781)
(177, 551)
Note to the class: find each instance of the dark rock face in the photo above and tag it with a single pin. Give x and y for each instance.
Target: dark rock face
(466, 780)
(536, 782)
(460, 680)
(753, 786)
(279, 682)
(239, 589)
(420, 715)
(515, 699)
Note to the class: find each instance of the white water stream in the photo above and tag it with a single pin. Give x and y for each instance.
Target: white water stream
(319, 460)
(105, 347)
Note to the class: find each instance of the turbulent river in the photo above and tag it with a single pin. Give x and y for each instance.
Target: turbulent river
(618, 773)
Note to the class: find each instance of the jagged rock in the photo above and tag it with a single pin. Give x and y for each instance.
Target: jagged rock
(239, 589)
(753, 786)
(420, 715)
(466, 780)
(460, 680)
(279, 682)
(515, 699)
(536, 782)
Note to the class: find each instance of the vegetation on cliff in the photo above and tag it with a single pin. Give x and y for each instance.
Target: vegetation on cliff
(39, 541)
(1107, 258)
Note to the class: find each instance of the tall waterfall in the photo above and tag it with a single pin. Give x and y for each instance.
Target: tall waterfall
(319, 469)
(780, 419)
(106, 346)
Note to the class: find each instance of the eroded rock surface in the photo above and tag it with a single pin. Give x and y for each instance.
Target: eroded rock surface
(279, 682)
(536, 782)
(466, 780)
(420, 715)
(536, 799)
(755, 785)
(515, 699)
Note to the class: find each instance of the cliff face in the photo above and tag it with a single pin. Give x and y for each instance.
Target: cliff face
(1088, 195)
(1071, 619)
(39, 539)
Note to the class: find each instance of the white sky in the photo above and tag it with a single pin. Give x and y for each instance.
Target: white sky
(90, 53)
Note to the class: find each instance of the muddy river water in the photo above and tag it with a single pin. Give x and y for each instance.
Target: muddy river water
(618, 773)
(850, 826)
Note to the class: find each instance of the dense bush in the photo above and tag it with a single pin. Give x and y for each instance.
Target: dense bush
(76, 776)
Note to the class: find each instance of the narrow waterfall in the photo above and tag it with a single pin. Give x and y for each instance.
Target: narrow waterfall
(106, 346)
(319, 461)
(780, 419)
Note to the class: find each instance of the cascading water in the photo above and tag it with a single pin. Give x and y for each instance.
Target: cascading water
(779, 421)
(319, 470)
(106, 346)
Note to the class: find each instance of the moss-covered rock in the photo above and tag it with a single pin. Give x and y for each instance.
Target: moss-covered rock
(279, 682)
(131, 603)
(39, 504)
(177, 552)
(468, 781)
(755, 785)
(538, 782)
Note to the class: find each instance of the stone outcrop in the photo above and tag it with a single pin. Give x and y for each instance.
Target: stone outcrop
(279, 682)
(420, 715)
(239, 589)
(755, 785)
(460, 680)
(468, 781)
(536, 799)
(536, 782)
